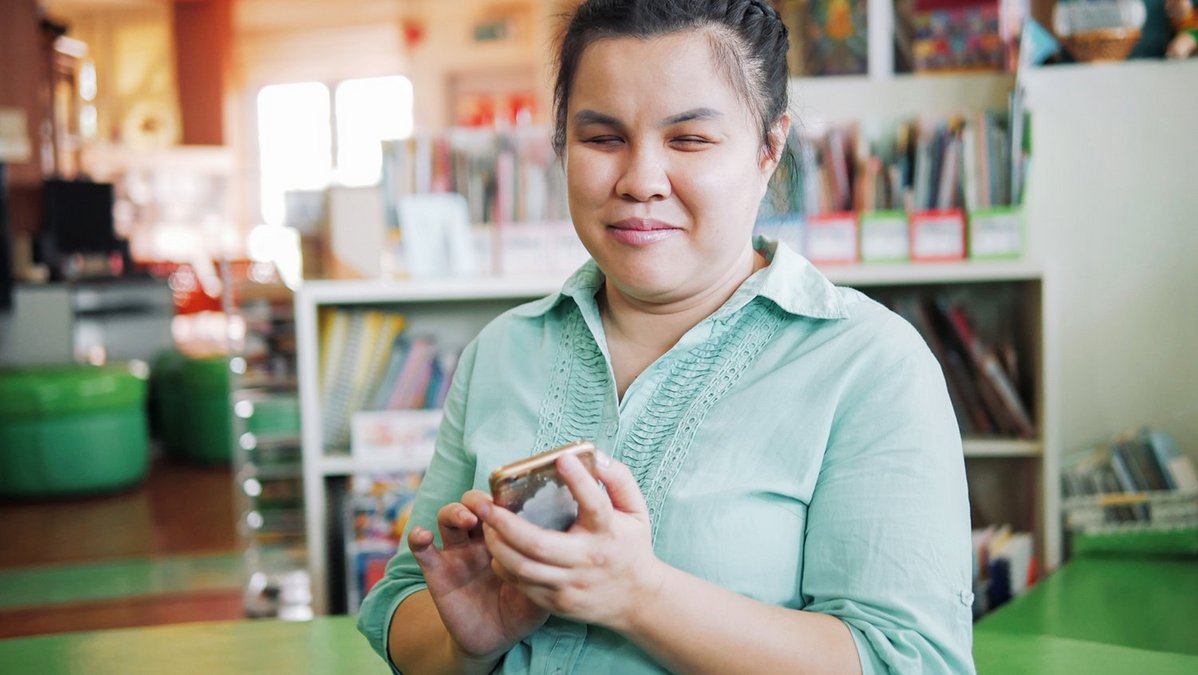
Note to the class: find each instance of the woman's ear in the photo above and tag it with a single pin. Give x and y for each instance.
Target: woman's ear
(777, 136)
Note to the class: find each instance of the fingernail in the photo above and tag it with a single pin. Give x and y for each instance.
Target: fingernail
(602, 458)
(566, 463)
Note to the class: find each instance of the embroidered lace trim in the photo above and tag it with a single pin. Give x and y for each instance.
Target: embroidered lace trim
(573, 405)
(659, 440)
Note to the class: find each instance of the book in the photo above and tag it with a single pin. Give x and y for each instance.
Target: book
(914, 312)
(961, 382)
(377, 510)
(993, 384)
(412, 383)
(333, 329)
(382, 329)
(1177, 468)
(338, 387)
(395, 361)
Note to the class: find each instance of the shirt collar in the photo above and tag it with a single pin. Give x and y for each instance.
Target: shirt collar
(790, 281)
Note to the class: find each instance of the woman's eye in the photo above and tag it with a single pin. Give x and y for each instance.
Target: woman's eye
(691, 141)
(603, 140)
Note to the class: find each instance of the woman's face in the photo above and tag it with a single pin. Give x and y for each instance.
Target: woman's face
(665, 166)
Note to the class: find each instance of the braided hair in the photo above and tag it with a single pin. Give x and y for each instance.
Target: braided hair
(748, 40)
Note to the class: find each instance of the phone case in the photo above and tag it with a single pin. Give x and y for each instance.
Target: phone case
(532, 489)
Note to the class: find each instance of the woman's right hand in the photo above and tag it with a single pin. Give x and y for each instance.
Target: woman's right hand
(484, 615)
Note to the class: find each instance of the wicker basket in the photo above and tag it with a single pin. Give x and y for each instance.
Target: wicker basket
(1106, 44)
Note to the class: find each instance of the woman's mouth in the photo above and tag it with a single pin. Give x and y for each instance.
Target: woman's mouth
(641, 231)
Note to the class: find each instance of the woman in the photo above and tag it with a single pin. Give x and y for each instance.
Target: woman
(784, 481)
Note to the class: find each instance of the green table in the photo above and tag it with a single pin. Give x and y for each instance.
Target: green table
(1098, 615)
(999, 653)
(325, 645)
(1093, 616)
(1147, 604)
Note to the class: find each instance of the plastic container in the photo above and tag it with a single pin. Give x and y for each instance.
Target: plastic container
(71, 430)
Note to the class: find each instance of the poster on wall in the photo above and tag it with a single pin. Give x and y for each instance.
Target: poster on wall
(509, 22)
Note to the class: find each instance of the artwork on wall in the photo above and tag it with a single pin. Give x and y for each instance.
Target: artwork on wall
(502, 23)
(828, 37)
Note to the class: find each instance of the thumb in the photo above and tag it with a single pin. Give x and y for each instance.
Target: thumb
(621, 486)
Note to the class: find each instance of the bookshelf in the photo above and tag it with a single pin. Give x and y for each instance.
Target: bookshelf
(454, 310)
(1007, 479)
(267, 474)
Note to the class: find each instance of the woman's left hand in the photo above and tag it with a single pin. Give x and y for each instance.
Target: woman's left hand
(602, 569)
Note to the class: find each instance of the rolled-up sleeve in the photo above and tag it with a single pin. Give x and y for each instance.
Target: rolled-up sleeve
(887, 543)
(449, 476)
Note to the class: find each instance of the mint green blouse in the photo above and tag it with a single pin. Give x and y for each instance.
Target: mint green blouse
(797, 446)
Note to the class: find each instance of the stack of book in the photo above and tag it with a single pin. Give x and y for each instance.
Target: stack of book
(1136, 493)
(903, 190)
(377, 511)
(1004, 566)
(983, 377)
(1118, 471)
(506, 176)
(368, 362)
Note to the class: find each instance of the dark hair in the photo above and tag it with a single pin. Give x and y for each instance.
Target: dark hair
(748, 39)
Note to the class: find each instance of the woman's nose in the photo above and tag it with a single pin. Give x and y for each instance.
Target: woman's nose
(644, 177)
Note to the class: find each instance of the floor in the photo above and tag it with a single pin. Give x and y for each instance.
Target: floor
(165, 552)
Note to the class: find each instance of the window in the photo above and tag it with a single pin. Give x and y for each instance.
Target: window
(299, 136)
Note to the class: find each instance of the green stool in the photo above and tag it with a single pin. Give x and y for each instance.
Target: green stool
(194, 415)
(167, 401)
(208, 412)
(71, 430)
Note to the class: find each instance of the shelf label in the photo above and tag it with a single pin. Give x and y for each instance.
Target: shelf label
(832, 238)
(938, 235)
(885, 237)
(995, 233)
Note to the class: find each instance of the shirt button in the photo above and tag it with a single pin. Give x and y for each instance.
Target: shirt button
(610, 429)
(966, 598)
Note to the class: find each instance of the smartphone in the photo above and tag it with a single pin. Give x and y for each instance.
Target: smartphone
(532, 489)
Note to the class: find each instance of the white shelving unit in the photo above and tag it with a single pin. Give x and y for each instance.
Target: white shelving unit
(457, 309)
(453, 309)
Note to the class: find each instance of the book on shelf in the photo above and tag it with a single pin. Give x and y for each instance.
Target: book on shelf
(947, 174)
(1176, 467)
(505, 175)
(1004, 566)
(370, 362)
(404, 438)
(1137, 480)
(994, 383)
(377, 510)
(971, 417)
(980, 372)
(1147, 460)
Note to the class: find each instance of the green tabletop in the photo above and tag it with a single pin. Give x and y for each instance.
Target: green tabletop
(1093, 616)
(999, 653)
(1149, 604)
(325, 645)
